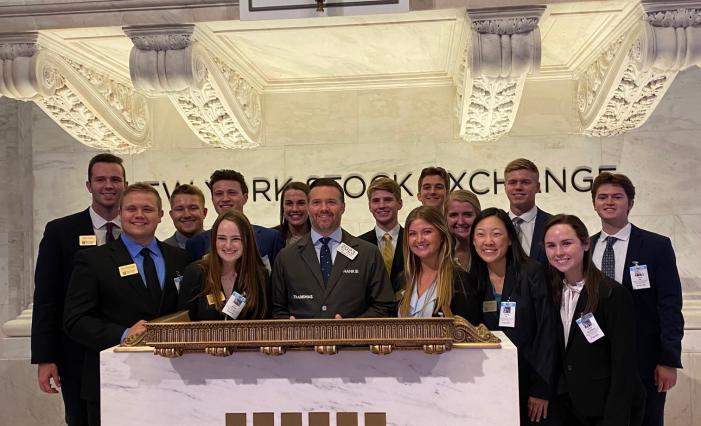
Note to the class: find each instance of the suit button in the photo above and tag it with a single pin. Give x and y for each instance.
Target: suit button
(323, 308)
(569, 367)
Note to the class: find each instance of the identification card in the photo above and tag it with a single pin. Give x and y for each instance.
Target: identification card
(507, 314)
(489, 306)
(639, 278)
(212, 299)
(266, 263)
(587, 323)
(126, 270)
(234, 305)
(87, 240)
(347, 251)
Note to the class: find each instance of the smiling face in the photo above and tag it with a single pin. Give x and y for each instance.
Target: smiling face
(294, 207)
(424, 240)
(460, 216)
(491, 240)
(140, 216)
(612, 204)
(565, 251)
(188, 213)
(521, 187)
(325, 209)
(227, 194)
(432, 191)
(384, 207)
(106, 184)
(229, 242)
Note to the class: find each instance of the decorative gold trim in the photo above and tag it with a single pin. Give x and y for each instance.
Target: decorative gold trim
(275, 337)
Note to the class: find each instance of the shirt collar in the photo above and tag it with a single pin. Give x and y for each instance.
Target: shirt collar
(98, 221)
(528, 216)
(335, 235)
(394, 233)
(135, 248)
(623, 234)
(180, 238)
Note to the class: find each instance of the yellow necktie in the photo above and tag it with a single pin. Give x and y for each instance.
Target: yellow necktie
(387, 252)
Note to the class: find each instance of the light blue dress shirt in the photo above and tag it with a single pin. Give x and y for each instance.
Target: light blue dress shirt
(333, 243)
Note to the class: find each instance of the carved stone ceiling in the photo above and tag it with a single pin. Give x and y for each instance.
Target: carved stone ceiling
(228, 64)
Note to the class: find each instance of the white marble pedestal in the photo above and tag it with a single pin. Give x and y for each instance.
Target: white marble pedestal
(459, 387)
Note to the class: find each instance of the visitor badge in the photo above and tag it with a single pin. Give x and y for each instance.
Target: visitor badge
(489, 306)
(126, 270)
(234, 305)
(639, 277)
(347, 251)
(87, 240)
(587, 323)
(507, 314)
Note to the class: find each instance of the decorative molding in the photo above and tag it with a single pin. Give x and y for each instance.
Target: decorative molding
(96, 110)
(219, 105)
(621, 89)
(504, 49)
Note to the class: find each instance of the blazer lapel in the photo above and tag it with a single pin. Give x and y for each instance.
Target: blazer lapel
(398, 258)
(339, 264)
(308, 254)
(537, 234)
(635, 245)
(581, 304)
(85, 227)
(509, 283)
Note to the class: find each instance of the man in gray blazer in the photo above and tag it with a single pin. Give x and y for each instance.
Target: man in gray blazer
(330, 273)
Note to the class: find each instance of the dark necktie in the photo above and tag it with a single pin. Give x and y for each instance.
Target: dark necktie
(325, 259)
(109, 226)
(154, 288)
(608, 261)
(517, 224)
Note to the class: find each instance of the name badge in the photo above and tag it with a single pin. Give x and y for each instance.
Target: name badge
(639, 278)
(489, 306)
(507, 314)
(212, 299)
(87, 240)
(347, 251)
(126, 270)
(234, 305)
(266, 263)
(587, 323)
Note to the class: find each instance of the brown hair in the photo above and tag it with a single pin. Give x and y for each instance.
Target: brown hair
(187, 189)
(435, 171)
(521, 164)
(251, 274)
(141, 187)
(106, 158)
(328, 182)
(385, 184)
(300, 186)
(228, 174)
(613, 179)
(412, 264)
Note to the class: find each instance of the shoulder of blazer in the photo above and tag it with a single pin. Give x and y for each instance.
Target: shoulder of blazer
(356, 242)
(78, 223)
(639, 233)
(542, 215)
(172, 252)
(369, 236)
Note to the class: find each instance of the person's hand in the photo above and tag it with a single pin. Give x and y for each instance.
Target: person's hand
(45, 373)
(338, 316)
(537, 409)
(292, 317)
(139, 327)
(665, 378)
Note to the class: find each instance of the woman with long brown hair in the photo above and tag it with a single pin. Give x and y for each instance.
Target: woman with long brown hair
(294, 217)
(230, 282)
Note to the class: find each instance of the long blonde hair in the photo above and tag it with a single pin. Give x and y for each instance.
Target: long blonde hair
(412, 263)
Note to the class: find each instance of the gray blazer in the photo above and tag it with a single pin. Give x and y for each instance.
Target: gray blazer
(356, 288)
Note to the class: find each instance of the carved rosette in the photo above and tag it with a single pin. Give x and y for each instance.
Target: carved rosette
(96, 110)
(218, 104)
(504, 48)
(619, 90)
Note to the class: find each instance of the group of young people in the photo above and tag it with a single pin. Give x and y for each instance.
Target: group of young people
(596, 320)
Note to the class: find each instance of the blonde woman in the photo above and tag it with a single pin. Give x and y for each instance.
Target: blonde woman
(461, 208)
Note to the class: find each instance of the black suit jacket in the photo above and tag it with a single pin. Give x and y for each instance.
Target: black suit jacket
(658, 309)
(601, 377)
(537, 250)
(101, 305)
(53, 270)
(397, 260)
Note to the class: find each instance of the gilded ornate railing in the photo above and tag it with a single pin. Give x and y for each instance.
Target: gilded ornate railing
(275, 337)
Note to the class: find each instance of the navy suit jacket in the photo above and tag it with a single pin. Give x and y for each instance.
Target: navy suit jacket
(658, 310)
(537, 250)
(397, 260)
(269, 243)
(53, 271)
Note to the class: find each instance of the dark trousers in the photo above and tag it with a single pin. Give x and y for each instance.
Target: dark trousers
(75, 407)
(93, 413)
(654, 405)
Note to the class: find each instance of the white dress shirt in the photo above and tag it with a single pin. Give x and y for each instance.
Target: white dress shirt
(620, 249)
(570, 297)
(333, 243)
(100, 228)
(527, 228)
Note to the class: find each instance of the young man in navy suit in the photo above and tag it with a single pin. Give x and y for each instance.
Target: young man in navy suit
(60, 359)
(522, 183)
(114, 289)
(645, 264)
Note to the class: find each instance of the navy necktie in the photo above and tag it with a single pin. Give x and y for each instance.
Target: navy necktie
(608, 261)
(325, 259)
(109, 227)
(154, 287)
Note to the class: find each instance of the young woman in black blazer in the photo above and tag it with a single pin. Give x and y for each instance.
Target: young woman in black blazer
(598, 378)
(233, 265)
(513, 286)
(433, 284)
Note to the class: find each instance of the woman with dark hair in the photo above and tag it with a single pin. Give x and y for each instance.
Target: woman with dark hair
(461, 209)
(515, 300)
(598, 378)
(230, 282)
(294, 218)
(433, 285)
